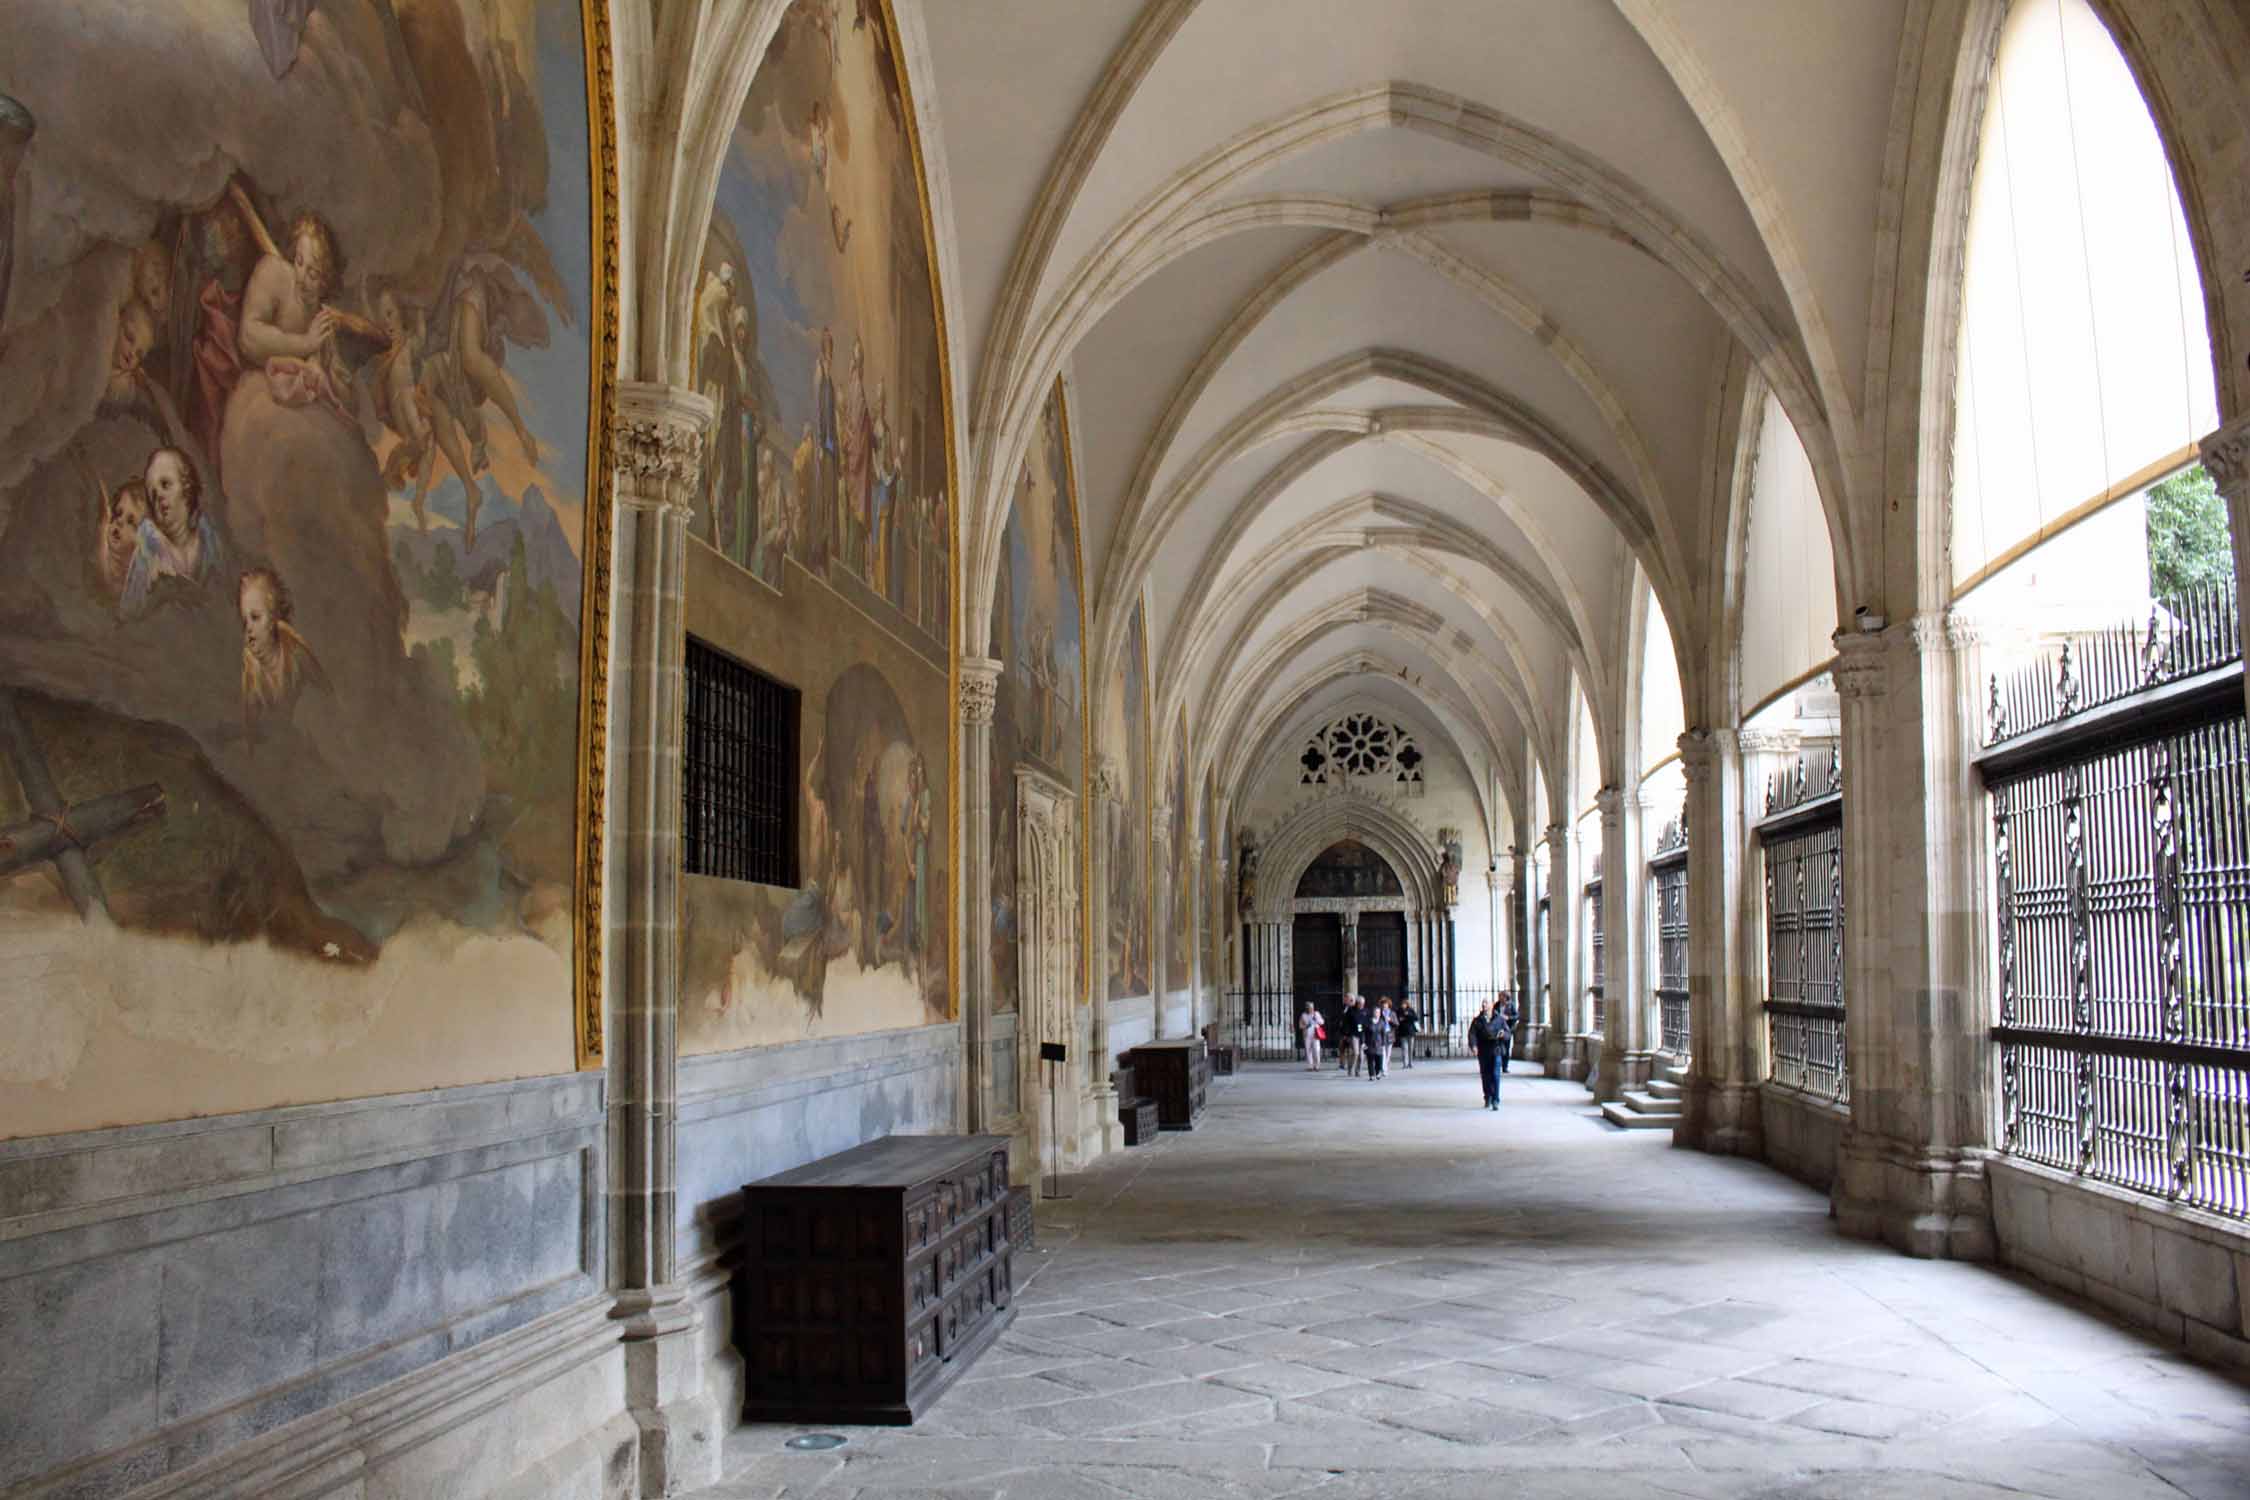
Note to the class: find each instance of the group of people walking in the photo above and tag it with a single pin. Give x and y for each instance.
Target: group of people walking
(1364, 1035)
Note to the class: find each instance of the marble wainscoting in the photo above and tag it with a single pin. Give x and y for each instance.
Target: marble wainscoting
(749, 1114)
(1131, 1022)
(1179, 1013)
(392, 1296)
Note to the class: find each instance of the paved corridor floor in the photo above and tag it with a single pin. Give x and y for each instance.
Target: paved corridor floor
(1347, 1289)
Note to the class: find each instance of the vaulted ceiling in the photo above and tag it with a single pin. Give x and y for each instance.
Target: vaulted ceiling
(1395, 329)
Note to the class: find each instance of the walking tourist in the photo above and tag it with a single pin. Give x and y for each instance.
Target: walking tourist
(1352, 1027)
(1378, 1038)
(1484, 1041)
(1310, 1031)
(1504, 1021)
(1409, 1022)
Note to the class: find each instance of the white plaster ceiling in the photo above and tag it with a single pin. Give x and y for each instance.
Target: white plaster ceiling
(1404, 307)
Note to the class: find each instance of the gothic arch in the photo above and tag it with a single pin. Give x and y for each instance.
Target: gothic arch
(1306, 832)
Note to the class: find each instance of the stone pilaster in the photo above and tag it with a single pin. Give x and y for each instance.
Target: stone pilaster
(980, 687)
(2226, 458)
(1520, 932)
(1719, 1102)
(1197, 880)
(1105, 786)
(1500, 887)
(658, 450)
(1626, 1057)
(1562, 944)
(1161, 935)
(1911, 1168)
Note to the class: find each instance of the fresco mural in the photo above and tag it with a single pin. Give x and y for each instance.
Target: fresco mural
(297, 366)
(1125, 735)
(1180, 939)
(826, 524)
(1038, 718)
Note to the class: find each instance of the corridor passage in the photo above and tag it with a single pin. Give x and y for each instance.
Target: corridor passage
(1351, 1289)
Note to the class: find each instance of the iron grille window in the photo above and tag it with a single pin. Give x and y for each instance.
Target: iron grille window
(1667, 879)
(1802, 843)
(739, 786)
(1595, 958)
(2118, 775)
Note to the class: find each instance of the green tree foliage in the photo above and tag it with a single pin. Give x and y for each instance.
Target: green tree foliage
(524, 711)
(2188, 544)
(442, 585)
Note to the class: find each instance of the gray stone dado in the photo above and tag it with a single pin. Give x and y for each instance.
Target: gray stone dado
(1803, 1135)
(749, 1114)
(2180, 1272)
(1131, 1022)
(215, 1280)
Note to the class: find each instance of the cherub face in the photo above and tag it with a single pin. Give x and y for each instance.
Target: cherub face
(312, 268)
(126, 513)
(167, 481)
(255, 604)
(388, 313)
(152, 277)
(136, 336)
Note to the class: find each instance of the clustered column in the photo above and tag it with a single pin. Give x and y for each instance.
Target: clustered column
(1160, 923)
(657, 445)
(1562, 976)
(980, 684)
(1626, 1058)
(1103, 789)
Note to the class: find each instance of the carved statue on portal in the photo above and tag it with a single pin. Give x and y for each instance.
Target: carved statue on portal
(1247, 879)
(1449, 865)
(1351, 946)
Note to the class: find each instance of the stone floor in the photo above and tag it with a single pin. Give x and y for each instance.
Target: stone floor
(1351, 1289)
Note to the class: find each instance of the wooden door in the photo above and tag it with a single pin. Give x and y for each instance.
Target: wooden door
(1382, 955)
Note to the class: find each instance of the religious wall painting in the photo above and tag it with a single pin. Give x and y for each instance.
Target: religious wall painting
(1037, 715)
(1180, 878)
(300, 374)
(1125, 738)
(815, 334)
(827, 529)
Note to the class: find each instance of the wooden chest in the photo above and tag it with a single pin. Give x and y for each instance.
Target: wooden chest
(1176, 1073)
(873, 1278)
(1138, 1116)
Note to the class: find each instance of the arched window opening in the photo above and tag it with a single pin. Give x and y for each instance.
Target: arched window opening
(2096, 558)
(1788, 569)
(1793, 763)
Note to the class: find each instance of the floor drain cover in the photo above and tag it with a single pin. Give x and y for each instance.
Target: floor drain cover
(816, 1442)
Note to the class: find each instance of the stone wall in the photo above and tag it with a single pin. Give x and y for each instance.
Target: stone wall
(1802, 1134)
(2182, 1273)
(413, 1283)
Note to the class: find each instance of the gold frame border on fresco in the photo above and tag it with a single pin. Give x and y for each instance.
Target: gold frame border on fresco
(1086, 959)
(593, 630)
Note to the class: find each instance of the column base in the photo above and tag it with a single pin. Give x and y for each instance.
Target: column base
(1621, 1072)
(1723, 1119)
(1551, 1051)
(1101, 1131)
(680, 1421)
(1932, 1205)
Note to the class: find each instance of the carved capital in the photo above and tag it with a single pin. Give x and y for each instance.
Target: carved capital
(2226, 458)
(980, 688)
(1701, 751)
(1611, 800)
(1771, 742)
(1556, 833)
(657, 444)
(1862, 668)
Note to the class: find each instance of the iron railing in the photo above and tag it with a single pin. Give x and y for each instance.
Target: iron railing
(1261, 1024)
(1802, 842)
(1667, 879)
(2118, 773)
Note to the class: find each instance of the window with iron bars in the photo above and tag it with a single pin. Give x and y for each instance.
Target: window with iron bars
(1667, 888)
(1801, 842)
(1597, 964)
(738, 785)
(2118, 776)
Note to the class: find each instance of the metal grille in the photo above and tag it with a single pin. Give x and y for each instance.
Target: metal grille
(1668, 894)
(1595, 958)
(1804, 860)
(2119, 777)
(739, 781)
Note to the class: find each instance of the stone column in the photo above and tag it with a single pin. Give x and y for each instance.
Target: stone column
(657, 447)
(1719, 1101)
(1562, 942)
(1349, 918)
(1161, 935)
(1910, 1171)
(1626, 1057)
(980, 686)
(1104, 786)
(1193, 937)
(1520, 935)
(2226, 458)
(1500, 881)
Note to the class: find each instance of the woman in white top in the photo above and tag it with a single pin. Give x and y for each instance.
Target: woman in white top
(1308, 1029)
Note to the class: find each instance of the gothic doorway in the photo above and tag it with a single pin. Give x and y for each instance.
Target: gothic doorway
(1382, 954)
(1317, 964)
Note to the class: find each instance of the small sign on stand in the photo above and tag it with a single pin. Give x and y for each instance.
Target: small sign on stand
(1054, 1054)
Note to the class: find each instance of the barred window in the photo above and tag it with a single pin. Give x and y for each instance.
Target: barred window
(1801, 842)
(739, 786)
(1667, 883)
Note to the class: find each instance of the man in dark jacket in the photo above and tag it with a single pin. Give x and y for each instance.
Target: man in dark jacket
(1505, 1024)
(1409, 1022)
(1486, 1041)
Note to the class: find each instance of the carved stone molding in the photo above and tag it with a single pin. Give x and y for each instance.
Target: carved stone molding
(1771, 741)
(1611, 800)
(1701, 750)
(1557, 832)
(980, 688)
(1862, 669)
(657, 443)
(2226, 458)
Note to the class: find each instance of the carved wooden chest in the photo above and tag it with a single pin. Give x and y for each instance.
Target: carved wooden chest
(873, 1278)
(1176, 1073)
